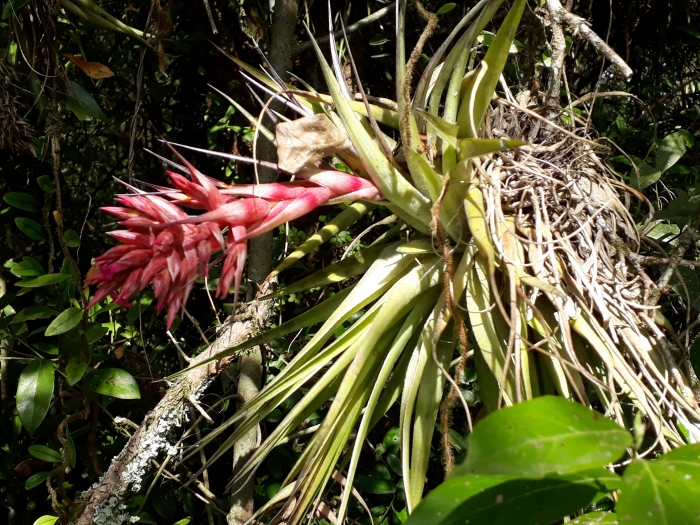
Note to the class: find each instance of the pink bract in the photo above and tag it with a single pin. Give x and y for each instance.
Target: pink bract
(169, 248)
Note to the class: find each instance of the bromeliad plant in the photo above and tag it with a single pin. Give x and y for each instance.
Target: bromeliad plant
(520, 254)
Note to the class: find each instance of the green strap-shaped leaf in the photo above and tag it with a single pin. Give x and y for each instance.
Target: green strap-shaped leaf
(355, 264)
(343, 220)
(43, 280)
(34, 393)
(390, 182)
(478, 96)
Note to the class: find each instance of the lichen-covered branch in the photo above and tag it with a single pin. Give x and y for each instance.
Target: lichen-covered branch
(104, 503)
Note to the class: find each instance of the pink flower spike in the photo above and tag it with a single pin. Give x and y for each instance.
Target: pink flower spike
(290, 210)
(272, 191)
(237, 212)
(340, 183)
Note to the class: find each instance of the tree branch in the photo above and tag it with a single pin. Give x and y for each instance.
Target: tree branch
(129, 468)
(352, 28)
(580, 26)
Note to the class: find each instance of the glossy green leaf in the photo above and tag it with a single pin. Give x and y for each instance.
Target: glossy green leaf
(75, 370)
(46, 520)
(38, 311)
(29, 267)
(82, 103)
(547, 434)
(666, 490)
(66, 320)
(670, 151)
(30, 228)
(184, 521)
(45, 453)
(72, 238)
(35, 480)
(70, 447)
(23, 201)
(43, 280)
(34, 393)
(489, 500)
(113, 382)
(46, 183)
(597, 518)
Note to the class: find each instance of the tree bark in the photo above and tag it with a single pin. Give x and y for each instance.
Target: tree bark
(104, 503)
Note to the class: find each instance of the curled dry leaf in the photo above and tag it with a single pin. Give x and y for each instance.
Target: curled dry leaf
(92, 69)
(306, 140)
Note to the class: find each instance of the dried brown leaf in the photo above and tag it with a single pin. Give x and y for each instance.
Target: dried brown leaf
(303, 141)
(92, 69)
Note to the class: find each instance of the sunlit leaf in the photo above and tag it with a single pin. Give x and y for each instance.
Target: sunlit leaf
(43, 280)
(666, 490)
(547, 434)
(65, 321)
(34, 393)
(113, 382)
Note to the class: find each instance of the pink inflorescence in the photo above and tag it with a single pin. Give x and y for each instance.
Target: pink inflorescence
(164, 246)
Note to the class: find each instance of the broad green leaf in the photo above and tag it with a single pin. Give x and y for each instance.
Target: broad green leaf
(31, 313)
(45, 453)
(184, 521)
(113, 382)
(46, 183)
(35, 480)
(671, 149)
(46, 520)
(665, 491)
(597, 518)
(489, 500)
(30, 228)
(445, 130)
(547, 434)
(66, 320)
(34, 393)
(82, 103)
(72, 238)
(647, 176)
(75, 370)
(43, 280)
(23, 201)
(29, 267)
